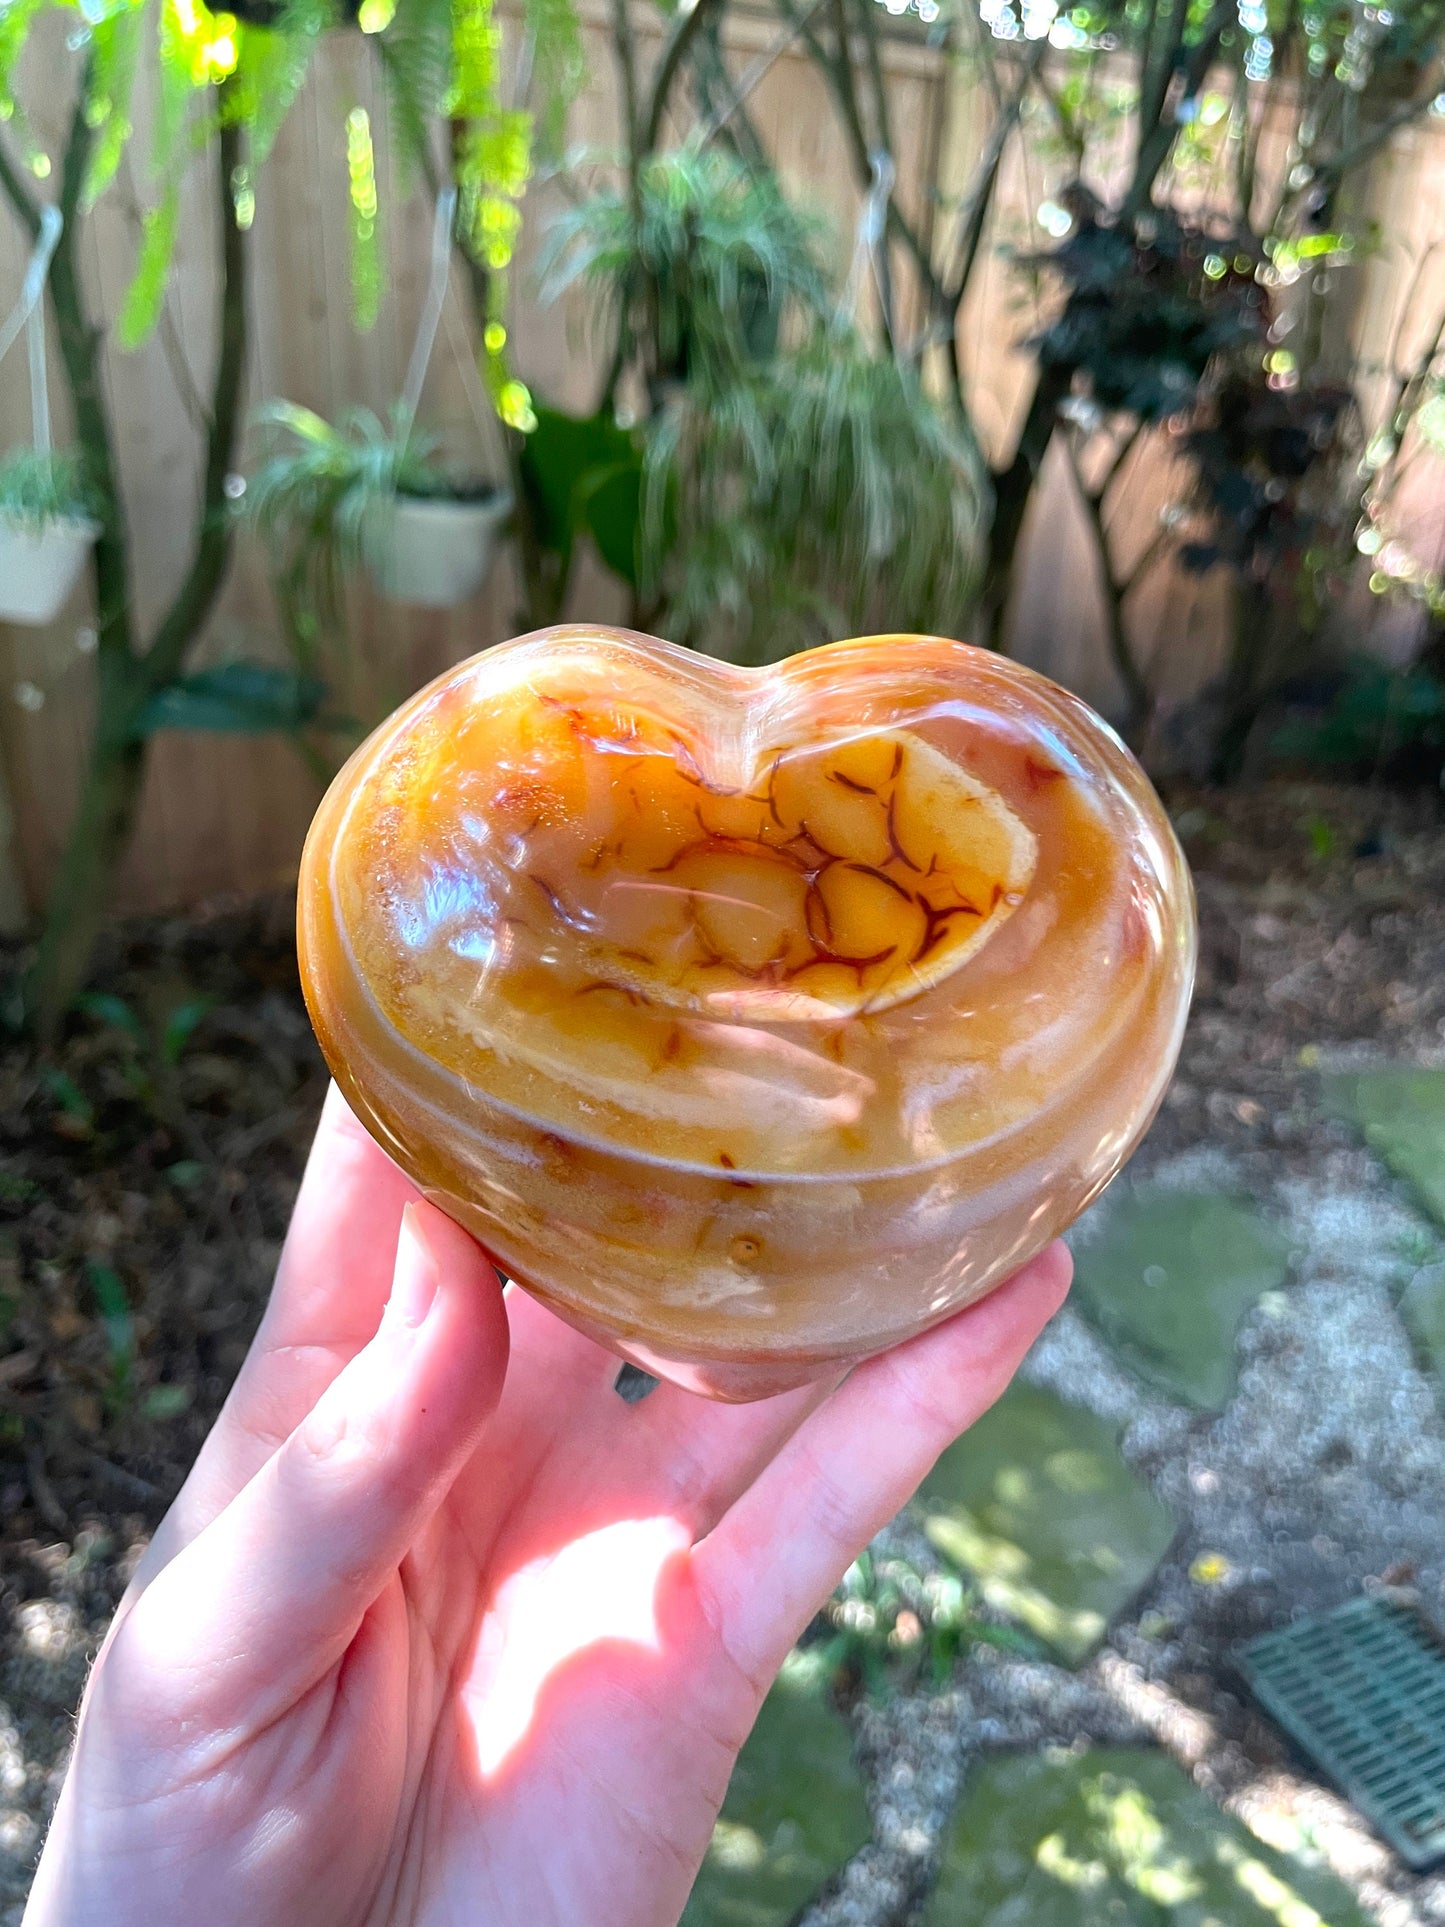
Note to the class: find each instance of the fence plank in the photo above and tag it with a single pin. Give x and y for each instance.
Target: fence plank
(224, 815)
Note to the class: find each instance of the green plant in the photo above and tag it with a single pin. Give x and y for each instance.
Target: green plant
(37, 488)
(1246, 132)
(1377, 722)
(819, 494)
(797, 484)
(311, 498)
(118, 1324)
(580, 475)
(694, 262)
(889, 1625)
(132, 1056)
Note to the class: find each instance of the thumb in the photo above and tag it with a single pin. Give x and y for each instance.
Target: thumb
(268, 1597)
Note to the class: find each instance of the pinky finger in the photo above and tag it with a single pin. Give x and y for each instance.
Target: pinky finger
(773, 1558)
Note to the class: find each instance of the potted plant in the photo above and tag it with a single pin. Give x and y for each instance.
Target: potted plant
(46, 530)
(383, 494)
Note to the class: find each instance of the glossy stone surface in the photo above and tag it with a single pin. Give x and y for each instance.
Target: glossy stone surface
(754, 1019)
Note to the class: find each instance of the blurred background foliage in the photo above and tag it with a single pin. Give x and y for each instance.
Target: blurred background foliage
(785, 443)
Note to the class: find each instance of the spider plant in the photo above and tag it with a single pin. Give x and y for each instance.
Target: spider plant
(36, 487)
(311, 499)
(697, 266)
(817, 495)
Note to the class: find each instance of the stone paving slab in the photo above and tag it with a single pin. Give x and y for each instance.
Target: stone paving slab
(1119, 1836)
(1166, 1281)
(1401, 1111)
(794, 1811)
(1037, 1506)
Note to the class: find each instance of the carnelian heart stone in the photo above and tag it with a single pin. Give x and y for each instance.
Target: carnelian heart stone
(753, 1019)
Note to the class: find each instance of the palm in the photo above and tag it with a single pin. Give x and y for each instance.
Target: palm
(547, 1656)
(529, 1709)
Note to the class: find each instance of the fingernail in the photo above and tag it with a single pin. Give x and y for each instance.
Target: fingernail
(414, 1282)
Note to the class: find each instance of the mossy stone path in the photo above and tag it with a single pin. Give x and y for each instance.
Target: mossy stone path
(1401, 1111)
(1037, 1507)
(794, 1811)
(1118, 1837)
(1166, 1282)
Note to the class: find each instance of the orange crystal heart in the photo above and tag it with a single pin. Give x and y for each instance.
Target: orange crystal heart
(753, 1019)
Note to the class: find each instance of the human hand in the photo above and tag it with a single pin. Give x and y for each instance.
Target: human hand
(440, 1630)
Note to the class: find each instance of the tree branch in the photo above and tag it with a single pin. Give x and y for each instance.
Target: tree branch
(80, 341)
(1069, 133)
(838, 73)
(1329, 174)
(166, 334)
(25, 204)
(1136, 688)
(882, 264)
(625, 49)
(1158, 134)
(973, 216)
(197, 593)
(685, 28)
(1014, 483)
(738, 91)
(1147, 557)
(868, 15)
(1157, 69)
(1121, 455)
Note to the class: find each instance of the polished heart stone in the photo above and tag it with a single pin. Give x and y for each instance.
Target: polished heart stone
(752, 1018)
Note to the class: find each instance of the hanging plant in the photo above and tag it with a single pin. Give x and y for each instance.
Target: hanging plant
(47, 501)
(330, 496)
(694, 270)
(364, 491)
(47, 526)
(224, 81)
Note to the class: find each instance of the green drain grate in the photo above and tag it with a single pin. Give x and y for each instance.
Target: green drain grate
(1362, 1690)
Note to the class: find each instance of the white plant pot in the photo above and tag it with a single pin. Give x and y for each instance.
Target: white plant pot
(430, 551)
(39, 566)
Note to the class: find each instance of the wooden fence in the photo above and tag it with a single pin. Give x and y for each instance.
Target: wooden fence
(225, 814)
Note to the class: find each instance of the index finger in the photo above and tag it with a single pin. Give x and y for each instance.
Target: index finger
(331, 1284)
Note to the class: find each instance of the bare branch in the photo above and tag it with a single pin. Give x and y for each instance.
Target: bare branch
(1069, 131)
(1158, 131)
(685, 28)
(1157, 69)
(973, 216)
(166, 329)
(1121, 455)
(753, 75)
(868, 15)
(25, 204)
(202, 584)
(1136, 687)
(1148, 556)
(838, 72)
(625, 49)
(1329, 174)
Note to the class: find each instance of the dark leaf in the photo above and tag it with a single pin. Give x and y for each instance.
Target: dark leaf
(563, 461)
(247, 697)
(180, 1025)
(114, 1011)
(69, 1096)
(614, 517)
(115, 1316)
